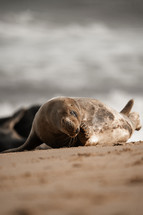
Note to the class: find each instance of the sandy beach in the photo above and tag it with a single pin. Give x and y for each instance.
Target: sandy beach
(73, 181)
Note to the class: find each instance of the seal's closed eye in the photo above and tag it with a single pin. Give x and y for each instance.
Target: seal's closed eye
(72, 112)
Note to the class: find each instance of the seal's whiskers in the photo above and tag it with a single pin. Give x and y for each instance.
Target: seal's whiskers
(72, 141)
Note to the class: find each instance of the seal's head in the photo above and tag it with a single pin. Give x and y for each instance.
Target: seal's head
(67, 115)
(70, 117)
(70, 123)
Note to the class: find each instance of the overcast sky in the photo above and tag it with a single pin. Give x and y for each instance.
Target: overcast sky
(124, 12)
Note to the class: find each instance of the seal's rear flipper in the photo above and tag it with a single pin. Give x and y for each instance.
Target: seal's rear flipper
(126, 110)
(135, 119)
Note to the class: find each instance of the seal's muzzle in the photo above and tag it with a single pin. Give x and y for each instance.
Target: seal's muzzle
(70, 127)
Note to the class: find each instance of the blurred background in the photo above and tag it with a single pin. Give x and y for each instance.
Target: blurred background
(91, 48)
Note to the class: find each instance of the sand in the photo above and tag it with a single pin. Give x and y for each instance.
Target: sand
(73, 181)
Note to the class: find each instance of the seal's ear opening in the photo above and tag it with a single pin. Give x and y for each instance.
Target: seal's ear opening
(126, 110)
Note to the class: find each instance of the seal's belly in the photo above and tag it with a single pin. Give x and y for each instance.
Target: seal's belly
(108, 137)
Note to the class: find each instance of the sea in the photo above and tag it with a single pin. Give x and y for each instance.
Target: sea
(70, 51)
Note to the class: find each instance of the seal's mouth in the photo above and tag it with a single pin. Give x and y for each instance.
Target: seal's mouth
(74, 134)
(70, 128)
(71, 131)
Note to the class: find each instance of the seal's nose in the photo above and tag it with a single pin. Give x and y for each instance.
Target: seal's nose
(77, 131)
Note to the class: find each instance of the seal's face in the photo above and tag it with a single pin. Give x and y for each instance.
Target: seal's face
(70, 124)
(70, 118)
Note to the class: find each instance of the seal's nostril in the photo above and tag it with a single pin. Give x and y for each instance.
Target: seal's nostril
(77, 131)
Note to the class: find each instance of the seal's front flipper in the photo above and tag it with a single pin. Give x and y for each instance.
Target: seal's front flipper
(84, 133)
(87, 136)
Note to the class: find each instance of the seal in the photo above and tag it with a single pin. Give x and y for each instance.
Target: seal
(69, 121)
(15, 129)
